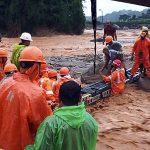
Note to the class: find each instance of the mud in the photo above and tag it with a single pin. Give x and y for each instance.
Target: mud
(124, 120)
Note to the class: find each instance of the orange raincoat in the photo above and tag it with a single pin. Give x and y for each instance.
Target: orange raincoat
(117, 79)
(141, 49)
(22, 108)
(48, 84)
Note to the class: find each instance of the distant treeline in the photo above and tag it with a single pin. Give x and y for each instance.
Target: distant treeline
(127, 21)
(18, 16)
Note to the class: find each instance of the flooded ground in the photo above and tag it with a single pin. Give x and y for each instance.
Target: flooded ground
(124, 120)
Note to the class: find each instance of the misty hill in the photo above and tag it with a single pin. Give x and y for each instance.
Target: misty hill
(114, 16)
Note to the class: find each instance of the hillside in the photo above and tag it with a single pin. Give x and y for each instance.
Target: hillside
(114, 16)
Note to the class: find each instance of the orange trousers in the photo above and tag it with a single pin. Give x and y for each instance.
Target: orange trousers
(136, 65)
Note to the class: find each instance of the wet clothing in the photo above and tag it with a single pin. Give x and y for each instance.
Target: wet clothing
(48, 85)
(16, 54)
(115, 46)
(70, 128)
(117, 79)
(113, 55)
(141, 50)
(110, 30)
(22, 108)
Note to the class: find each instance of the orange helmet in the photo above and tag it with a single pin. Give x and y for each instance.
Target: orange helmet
(64, 71)
(3, 53)
(108, 39)
(10, 68)
(31, 53)
(52, 73)
(117, 63)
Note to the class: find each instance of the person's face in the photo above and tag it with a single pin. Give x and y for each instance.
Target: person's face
(143, 35)
(26, 43)
(146, 32)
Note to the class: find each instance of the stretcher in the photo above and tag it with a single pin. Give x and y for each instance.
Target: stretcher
(99, 90)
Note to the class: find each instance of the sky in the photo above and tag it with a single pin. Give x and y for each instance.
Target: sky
(108, 6)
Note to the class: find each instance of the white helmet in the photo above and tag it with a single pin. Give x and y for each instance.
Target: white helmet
(26, 36)
(145, 29)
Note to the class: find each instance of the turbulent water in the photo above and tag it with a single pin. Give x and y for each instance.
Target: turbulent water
(124, 120)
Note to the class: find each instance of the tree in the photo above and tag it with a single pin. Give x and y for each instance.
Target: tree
(133, 17)
(26, 15)
(124, 17)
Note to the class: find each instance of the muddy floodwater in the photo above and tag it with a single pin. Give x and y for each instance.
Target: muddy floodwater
(124, 120)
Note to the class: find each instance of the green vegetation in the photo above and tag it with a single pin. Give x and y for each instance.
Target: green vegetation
(123, 18)
(134, 21)
(18, 16)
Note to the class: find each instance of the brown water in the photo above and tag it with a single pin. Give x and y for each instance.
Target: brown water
(124, 120)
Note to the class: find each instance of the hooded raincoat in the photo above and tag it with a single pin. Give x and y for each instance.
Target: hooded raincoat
(23, 107)
(71, 128)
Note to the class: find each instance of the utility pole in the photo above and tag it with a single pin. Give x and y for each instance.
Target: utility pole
(94, 21)
(102, 15)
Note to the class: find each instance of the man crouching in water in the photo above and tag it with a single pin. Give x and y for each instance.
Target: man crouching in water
(117, 78)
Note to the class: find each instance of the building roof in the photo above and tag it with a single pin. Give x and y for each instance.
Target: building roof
(137, 2)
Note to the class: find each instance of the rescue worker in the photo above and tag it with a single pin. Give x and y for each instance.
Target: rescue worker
(10, 69)
(44, 81)
(25, 41)
(142, 69)
(71, 127)
(44, 73)
(113, 44)
(117, 78)
(63, 76)
(109, 30)
(24, 102)
(110, 56)
(52, 74)
(141, 53)
(3, 60)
